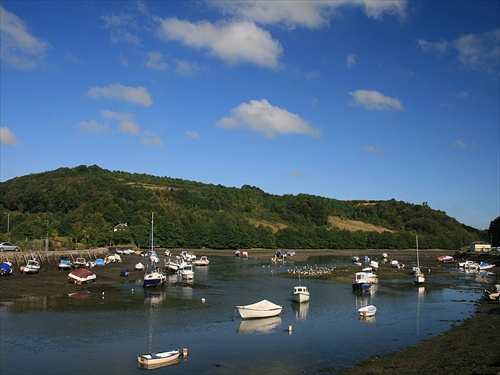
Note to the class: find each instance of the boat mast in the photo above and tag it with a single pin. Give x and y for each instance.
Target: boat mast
(418, 263)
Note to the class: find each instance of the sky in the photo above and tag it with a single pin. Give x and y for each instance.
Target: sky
(348, 100)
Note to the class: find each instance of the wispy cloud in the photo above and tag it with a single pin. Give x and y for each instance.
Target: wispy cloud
(262, 117)
(19, 48)
(474, 51)
(93, 127)
(374, 150)
(126, 121)
(462, 145)
(120, 27)
(136, 95)
(155, 62)
(149, 139)
(375, 100)
(7, 138)
(233, 42)
(192, 134)
(350, 60)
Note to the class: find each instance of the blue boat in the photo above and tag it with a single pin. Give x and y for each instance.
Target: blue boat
(6, 269)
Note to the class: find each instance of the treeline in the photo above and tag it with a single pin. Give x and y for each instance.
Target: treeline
(84, 205)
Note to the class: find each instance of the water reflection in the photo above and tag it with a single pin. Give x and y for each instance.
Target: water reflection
(300, 310)
(262, 326)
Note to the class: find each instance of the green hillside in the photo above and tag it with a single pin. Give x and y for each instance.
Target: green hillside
(82, 206)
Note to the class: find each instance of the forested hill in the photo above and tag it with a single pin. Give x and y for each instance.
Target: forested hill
(85, 205)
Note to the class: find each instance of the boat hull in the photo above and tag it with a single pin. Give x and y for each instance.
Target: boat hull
(300, 297)
(367, 311)
(262, 309)
(157, 359)
(154, 279)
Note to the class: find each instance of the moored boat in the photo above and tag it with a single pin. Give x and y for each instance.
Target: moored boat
(300, 294)
(361, 282)
(6, 269)
(32, 266)
(152, 276)
(367, 311)
(65, 263)
(203, 261)
(80, 262)
(485, 266)
(261, 309)
(187, 272)
(419, 275)
(157, 359)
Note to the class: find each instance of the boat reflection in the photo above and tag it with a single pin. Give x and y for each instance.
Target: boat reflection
(368, 319)
(263, 326)
(300, 310)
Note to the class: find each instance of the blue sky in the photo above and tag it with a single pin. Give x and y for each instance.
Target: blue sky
(342, 99)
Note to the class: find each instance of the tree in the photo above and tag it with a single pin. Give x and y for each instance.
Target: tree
(494, 232)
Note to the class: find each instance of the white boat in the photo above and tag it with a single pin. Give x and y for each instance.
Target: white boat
(65, 264)
(300, 294)
(80, 262)
(139, 267)
(187, 272)
(419, 275)
(367, 311)
(81, 276)
(32, 266)
(153, 276)
(485, 266)
(355, 258)
(176, 265)
(468, 264)
(261, 309)
(361, 282)
(373, 264)
(157, 359)
(188, 257)
(203, 261)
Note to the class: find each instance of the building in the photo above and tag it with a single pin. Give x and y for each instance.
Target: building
(480, 247)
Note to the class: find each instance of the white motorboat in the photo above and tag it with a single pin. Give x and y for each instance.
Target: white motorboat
(367, 311)
(32, 266)
(203, 261)
(187, 272)
(373, 264)
(139, 267)
(300, 294)
(81, 276)
(65, 263)
(485, 266)
(157, 359)
(361, 282)
(261, 309)
(187, 256)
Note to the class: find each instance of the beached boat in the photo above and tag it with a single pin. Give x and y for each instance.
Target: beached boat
(367, 311)
(485, 266)
(469, 264)
(139, 267)
(445, 259)
(157, 359)
(6, 269)
(81, 276)
(419, 277)
(65, 264)
(152, 276)
(373, 264)
(80, 262)
(203, 261)
(32, 266)
(261, 309)
(355, 258)
(300, 294)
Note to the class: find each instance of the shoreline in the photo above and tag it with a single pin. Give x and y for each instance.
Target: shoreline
(466, 348)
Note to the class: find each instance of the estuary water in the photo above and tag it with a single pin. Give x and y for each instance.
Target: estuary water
(102, 334)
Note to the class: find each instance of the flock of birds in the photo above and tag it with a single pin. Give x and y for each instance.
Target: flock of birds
(308, 270)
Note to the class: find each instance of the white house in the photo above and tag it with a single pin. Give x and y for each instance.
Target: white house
(480, 247)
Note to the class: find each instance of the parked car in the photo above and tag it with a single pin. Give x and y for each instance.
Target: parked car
(7, 246)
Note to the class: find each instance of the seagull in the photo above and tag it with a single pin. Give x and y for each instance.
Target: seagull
(203, 300)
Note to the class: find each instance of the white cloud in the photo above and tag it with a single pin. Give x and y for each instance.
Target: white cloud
(262, 117)
(7, 138)
(136, 95)
(310, 14)
(479, 52)
(18, 47)
(192, 134)
(232, 42)
(374, 150)
(126, 123)
(155, 62)
(187, 68)
(375, 100)
(150, 139)
(93, 126)
(350, 60)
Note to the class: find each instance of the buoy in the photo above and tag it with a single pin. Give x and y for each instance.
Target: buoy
(184, 352)
(290, 330)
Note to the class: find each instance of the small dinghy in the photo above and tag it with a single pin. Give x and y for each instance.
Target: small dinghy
(261, 309)
(367, 311)
(158, 359)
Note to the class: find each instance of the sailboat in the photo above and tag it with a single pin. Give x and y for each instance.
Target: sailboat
(153, 276)
(419, 276)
